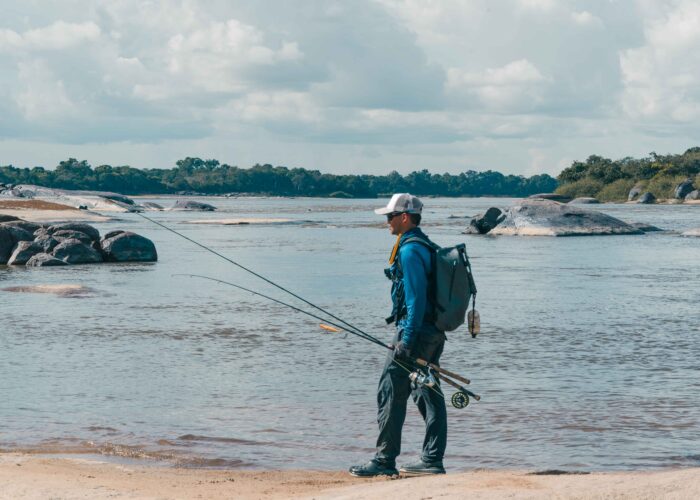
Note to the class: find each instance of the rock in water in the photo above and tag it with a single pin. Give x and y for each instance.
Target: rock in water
(483, 223)
(693, 195)
(8, 218)
(193, 205)
(30, 227)
(128, 247)
(44, 259)
(692, 232)
(20, 234)
(73, 251)
(634, 192)
(48, 243)
(24, 251)
(151, 205)
(81, 227)
(550, 196)
(647, 228)
(7, 243)
(548, 218)
(683, 189)
(647, 199)
(584, 201)
(65, 234)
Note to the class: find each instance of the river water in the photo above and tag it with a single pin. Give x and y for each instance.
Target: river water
(587, 360)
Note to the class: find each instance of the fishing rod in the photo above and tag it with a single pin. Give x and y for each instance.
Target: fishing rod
(352, 329)
(459, 399)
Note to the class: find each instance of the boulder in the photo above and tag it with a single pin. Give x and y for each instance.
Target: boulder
(647, 228)
(634, 192)
(550, 196)
(128, 247)
(8, 218)
(44, 259)
(193, 205)
(118, 197)
(693, 195)
(65, 234)
(112, 234)
(695, 232)
(647, 199)
(549, 218)
(46, 242)
(584, 201)
(73, 251)
(93, 233)
(483, 223)
(683, 189)
(7, 243)
(30, 227)
(24, 251)
(152, 206)
(20, 234)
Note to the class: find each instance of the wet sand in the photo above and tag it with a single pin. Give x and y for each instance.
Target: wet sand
(24, 476)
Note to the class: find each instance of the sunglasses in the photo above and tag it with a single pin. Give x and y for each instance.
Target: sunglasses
(392, 215)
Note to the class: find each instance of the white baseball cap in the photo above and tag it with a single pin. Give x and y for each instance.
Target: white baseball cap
(401, 202)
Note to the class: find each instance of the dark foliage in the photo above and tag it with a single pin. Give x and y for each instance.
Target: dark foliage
(212, 177)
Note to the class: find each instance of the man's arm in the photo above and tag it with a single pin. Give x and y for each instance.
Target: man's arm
(415, 264)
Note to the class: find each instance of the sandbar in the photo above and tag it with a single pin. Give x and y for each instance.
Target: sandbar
(28, 476)
(241, 221)
(47, 211)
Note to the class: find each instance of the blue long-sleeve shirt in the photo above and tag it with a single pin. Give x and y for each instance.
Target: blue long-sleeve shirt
(415, 261)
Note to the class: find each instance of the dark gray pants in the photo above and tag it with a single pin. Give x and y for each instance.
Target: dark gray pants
(392, 396)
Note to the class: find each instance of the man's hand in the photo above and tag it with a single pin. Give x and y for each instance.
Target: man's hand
(402, 352)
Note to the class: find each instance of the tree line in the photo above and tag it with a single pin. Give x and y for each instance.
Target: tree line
(211, 177)
(611, 180)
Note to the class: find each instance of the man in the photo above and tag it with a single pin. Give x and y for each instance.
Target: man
(416, 337)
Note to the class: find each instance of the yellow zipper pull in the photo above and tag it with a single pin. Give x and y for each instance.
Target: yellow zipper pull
(394, 250)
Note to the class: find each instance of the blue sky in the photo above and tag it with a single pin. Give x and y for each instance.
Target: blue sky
(354, 86)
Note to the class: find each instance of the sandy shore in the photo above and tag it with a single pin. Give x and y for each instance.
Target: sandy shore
(25, 476)
(46, 211)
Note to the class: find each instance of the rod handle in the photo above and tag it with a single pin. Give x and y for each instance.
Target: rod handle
(438, 369)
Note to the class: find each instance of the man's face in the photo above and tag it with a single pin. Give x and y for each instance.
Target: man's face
(397, 222)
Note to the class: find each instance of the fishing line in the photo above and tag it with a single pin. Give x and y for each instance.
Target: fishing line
(360, 334)
(257, 275)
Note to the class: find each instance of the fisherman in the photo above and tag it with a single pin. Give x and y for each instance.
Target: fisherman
(416, 337)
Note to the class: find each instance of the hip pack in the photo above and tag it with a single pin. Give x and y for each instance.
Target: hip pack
(452, 283)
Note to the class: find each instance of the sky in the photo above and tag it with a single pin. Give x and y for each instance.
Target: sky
(353, 86)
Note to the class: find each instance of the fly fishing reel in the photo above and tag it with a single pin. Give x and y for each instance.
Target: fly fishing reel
(460, 400)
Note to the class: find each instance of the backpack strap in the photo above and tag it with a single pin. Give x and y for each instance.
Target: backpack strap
(432, 278)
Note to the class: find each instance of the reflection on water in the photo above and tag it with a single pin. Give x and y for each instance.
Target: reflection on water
(587, 357)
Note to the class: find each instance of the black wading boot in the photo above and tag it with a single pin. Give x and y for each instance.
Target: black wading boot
(373, 469)
(421, 467)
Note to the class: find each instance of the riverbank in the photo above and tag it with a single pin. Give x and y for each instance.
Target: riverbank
(25, 476)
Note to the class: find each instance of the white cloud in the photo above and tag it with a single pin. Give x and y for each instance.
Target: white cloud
(42, 96)
(538, 4)
(585, 18)
(662, 77)
(510, 87)
(59, 35)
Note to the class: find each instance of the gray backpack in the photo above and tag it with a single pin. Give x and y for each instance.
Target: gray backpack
(452, 284)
